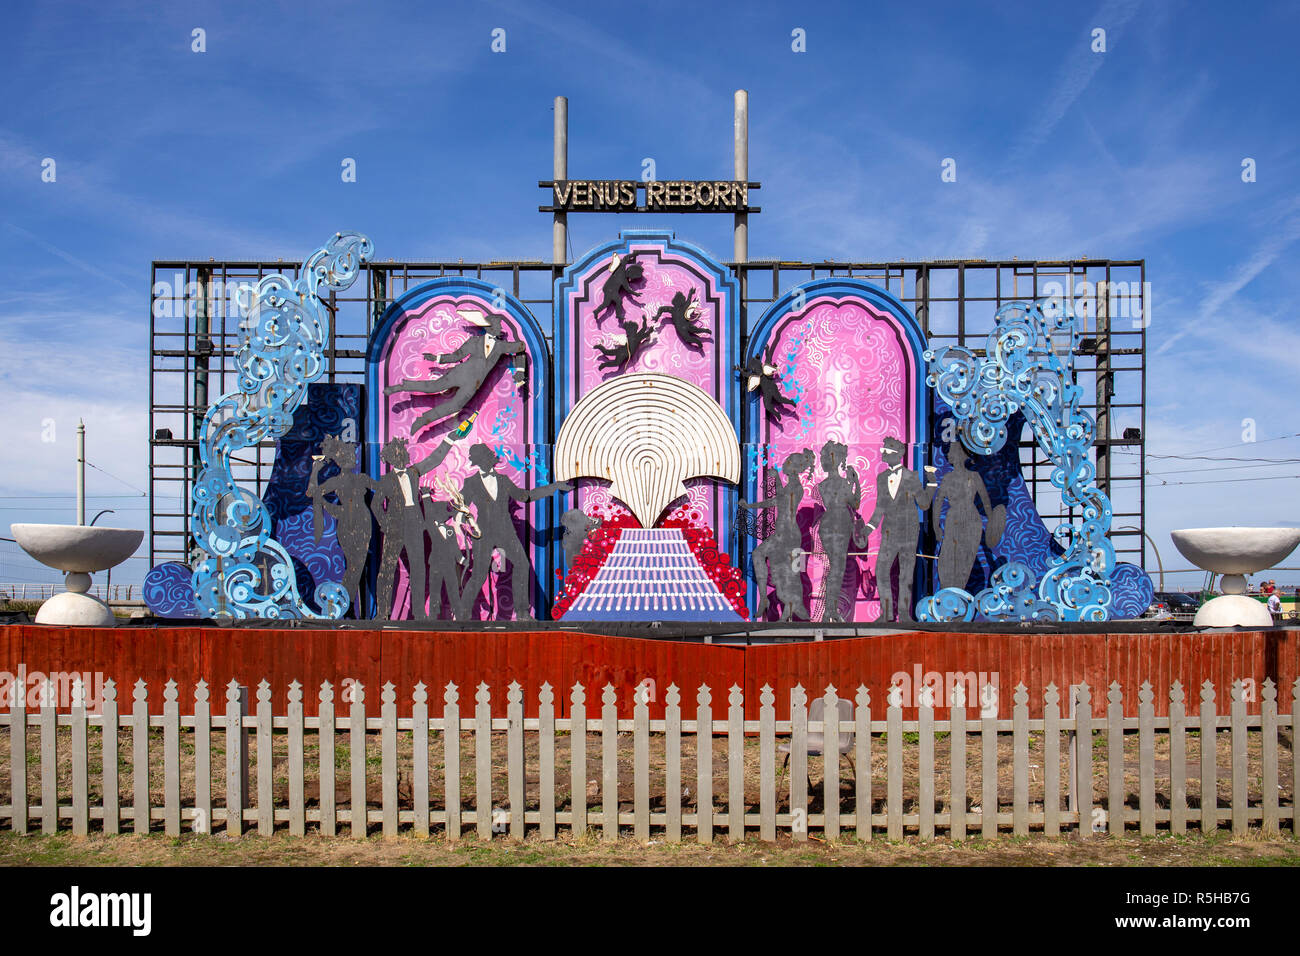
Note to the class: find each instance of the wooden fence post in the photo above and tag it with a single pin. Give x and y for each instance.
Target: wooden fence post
(1269, 778)
(357, 814)
(546, 759)
(641, 763)
(49, 717)
(703, 765)
(831, 763)
(577, 761)
(483, 761)
(862, 800)
(140, 757)
(609, 764)
(1208, 725)
(673, 762)
(420, 758)
(989, 706)
(1020, 761)
(265, 761)
(735, 765)
(894, 764)
(325, 733)
(171, 760)
(80, 761)
(515, 758)
(297, 770)
(201, 817)
(925, 768)
(1295, 764)
(1177, 759)
(108, 753)
(1081, 779)
(1051, 761)
(798, 763)
(388, 757)
(18, 750)
(1115, 759)
(766, 764)
(234, 760)
(451, 759)
(1238, 743)
(1146, 760)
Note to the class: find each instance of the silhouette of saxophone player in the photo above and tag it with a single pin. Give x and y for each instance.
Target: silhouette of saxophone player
(480, 355)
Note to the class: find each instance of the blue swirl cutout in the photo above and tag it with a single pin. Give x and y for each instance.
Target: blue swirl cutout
(1021, 373)
(247, 573)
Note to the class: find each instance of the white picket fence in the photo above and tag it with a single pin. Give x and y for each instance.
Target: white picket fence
(528, 802)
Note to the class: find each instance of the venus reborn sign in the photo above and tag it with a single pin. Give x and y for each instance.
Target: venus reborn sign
(630, 195)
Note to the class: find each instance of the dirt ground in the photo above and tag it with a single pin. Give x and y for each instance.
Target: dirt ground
(283, 850)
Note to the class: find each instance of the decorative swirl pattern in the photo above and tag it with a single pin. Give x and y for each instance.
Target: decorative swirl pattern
(1022, 373)
(247, 573)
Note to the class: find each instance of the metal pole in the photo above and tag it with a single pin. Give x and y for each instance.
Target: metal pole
(560, 229)
(742, 172)
(81, 472)
(1151, 541)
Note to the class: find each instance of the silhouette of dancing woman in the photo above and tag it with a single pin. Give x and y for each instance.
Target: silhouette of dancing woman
(841, 494)
(962, 528)
(352, 518)
(775, 557)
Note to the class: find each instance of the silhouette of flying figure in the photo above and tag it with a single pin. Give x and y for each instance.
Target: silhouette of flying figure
(623, 271)
(962, 528)
(352, 518)
(760, 375)
(491, 493)
(480, 355)
(683, 312)
(398, 507)
(776, 556)
(841, 494)
(626, 346)
(899, 494)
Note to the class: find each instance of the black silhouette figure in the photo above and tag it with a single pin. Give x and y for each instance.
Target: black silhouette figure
(623, 271)
(491, 494)
(761, 375)
(841, 494)
(777, 557)
(963, 527)
(577, 529)
(480, 355)
(398, 507)
(352, 517)
(899, 494)
(626, 347)
(445, 555)
(684, 313)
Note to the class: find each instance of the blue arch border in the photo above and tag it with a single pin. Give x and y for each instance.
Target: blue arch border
(728, 286)
(839, 288)
(539, 385)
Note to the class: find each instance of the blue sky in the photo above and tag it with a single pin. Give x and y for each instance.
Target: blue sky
(1136, 152)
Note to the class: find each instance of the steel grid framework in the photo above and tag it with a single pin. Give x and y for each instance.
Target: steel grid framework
(195, 332)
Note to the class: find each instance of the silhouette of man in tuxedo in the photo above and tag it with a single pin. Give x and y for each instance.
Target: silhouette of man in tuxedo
(480, 355)
(899, 494)
(491, 494)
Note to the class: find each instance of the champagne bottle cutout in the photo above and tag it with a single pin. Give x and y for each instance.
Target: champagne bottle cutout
(465, 427)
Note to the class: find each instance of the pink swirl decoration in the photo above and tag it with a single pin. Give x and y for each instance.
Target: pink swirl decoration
(504, 420)
(857, 377)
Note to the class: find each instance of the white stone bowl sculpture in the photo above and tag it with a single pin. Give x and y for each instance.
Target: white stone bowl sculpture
(77, 550)
(1234, 553)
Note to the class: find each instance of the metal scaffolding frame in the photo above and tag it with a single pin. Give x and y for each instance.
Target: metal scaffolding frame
(194, 333)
